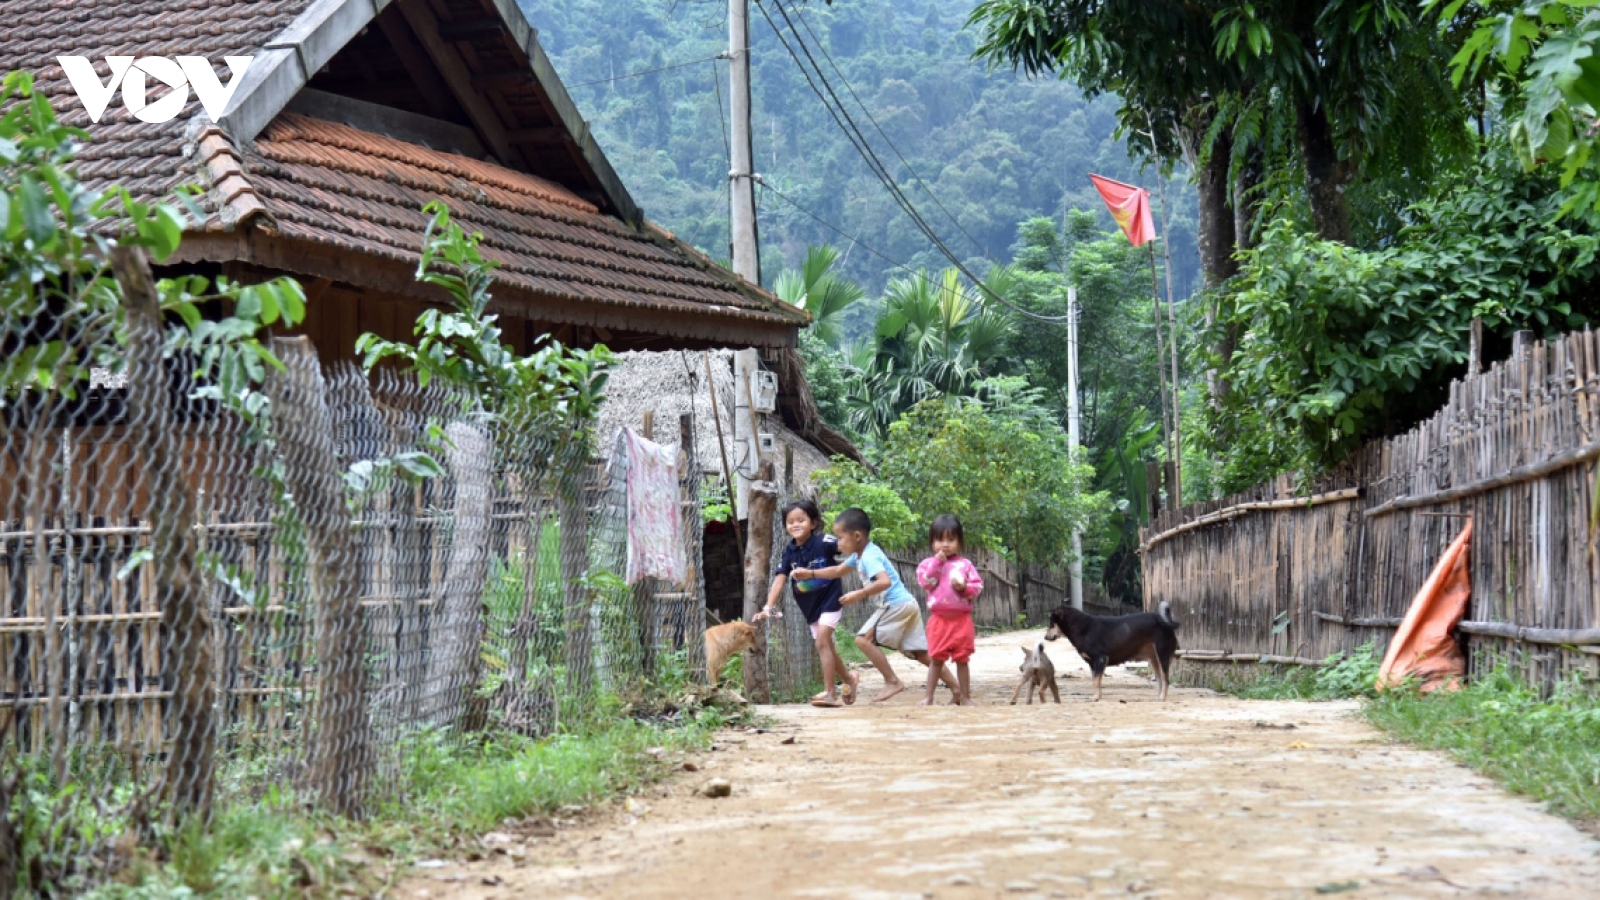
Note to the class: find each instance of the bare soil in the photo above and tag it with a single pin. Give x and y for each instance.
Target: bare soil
(1201, 796)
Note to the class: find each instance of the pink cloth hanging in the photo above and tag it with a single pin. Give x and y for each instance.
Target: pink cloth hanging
(655, 543)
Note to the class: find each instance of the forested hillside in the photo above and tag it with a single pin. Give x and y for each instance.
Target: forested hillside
(994, 148)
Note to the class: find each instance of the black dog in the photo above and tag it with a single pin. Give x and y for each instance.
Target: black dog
(1113, 640)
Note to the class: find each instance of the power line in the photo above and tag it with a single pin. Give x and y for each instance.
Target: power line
(800, 15)
(884, 256)
(692, 62)
(841, 117)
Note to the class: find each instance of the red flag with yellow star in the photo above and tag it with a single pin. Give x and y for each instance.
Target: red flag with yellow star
(1130, 206)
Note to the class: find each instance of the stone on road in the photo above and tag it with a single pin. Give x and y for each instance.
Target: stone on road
(1201, 796)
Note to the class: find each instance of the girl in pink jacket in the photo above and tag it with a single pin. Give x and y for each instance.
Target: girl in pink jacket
(952, 583)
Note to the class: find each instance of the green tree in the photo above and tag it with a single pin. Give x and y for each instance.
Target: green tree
(820, 291)
(1339, 344)
(1001, 463)
(934, 338)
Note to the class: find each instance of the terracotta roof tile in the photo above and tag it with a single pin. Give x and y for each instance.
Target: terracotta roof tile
(326, 182)
(146, 158)
(333, 184)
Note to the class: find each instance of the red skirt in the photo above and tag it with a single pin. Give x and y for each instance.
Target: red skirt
(951, 638)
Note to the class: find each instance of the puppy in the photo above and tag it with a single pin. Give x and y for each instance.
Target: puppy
(1037, 672)
(1113, 640)
(723, 642)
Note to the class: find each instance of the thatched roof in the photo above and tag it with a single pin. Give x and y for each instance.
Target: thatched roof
(672, 383)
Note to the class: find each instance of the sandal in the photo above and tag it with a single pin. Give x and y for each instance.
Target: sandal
(848, 689)
(821, 695)
(826, 703)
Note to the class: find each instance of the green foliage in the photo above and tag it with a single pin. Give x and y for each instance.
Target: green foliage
(935, 337)
(63, 305)
(846, 484)
(825, 369)
(1546, 48)
(993, 147)
(1001, 463)
(1344, 675)
(1546, 747)
(820, 291)
(270, 847)
(1337, 345)
(554, 387)
(715, 504)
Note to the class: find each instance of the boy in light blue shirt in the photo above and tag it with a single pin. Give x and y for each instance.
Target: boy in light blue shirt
(897, 623)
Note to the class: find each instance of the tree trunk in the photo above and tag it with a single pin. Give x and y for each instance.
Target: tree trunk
(1326, 174)
(757, 575)
(337, 760)
(1218, 237)
(180, 590)
(470, 459)
(572, 510)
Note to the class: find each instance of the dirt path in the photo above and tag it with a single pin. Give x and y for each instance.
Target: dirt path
(1203, 796)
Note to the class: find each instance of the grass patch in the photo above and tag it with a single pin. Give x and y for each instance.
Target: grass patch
(1544, 747)
(1345, 675)
(450, 788)
(1499, 725)
(844, 640)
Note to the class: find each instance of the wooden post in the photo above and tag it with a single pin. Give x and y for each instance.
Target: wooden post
(188, 779)
(757, 576)
(1475, 348)
(694, 604)
(572, 511)
(337, 760)
(470, 458)
(645, 609)
(1521, 342)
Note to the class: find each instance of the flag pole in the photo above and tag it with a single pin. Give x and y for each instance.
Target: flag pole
(1172, 321)
(1161, 373)
(1172, 332)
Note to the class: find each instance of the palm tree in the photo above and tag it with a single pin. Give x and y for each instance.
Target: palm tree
(935, 338)
(818, 290)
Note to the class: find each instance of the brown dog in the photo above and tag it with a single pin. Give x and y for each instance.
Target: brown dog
(1037, 672)
(723, 642)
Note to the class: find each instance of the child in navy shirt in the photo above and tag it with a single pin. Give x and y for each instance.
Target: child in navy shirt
(810, 548)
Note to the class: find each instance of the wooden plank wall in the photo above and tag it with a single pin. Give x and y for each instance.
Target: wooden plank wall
(1514, 449)
(1011, 591)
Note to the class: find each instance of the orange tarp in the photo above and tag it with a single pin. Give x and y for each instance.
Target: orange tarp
(1423, 647)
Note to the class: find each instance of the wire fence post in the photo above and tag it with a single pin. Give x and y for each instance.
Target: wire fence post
(337, 756)
(188, 779)
(572, 511)
(757, 575)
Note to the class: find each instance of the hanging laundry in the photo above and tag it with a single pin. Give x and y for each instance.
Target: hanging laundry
(655, 541)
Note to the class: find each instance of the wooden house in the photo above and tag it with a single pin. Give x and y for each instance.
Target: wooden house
(350, 117)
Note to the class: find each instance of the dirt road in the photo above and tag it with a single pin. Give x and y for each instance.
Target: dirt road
(1203, 796)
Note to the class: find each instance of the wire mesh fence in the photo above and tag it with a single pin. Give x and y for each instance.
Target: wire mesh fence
(198, 606)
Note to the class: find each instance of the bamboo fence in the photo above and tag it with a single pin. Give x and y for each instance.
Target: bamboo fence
(1279, 575)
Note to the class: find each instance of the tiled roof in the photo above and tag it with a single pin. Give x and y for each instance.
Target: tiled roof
(330, 183)
(143, 157)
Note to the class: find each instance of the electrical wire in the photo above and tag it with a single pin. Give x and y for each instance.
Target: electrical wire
(846, 123)
(800, 15)
(692, 62)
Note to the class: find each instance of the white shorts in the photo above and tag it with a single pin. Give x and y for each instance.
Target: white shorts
(826, 620)
(897, 626)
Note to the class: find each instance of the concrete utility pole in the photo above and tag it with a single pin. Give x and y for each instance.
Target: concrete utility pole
(746, 440)
(1072, 434)
(741, 186)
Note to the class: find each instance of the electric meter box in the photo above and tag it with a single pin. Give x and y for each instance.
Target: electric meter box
(764, 391)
